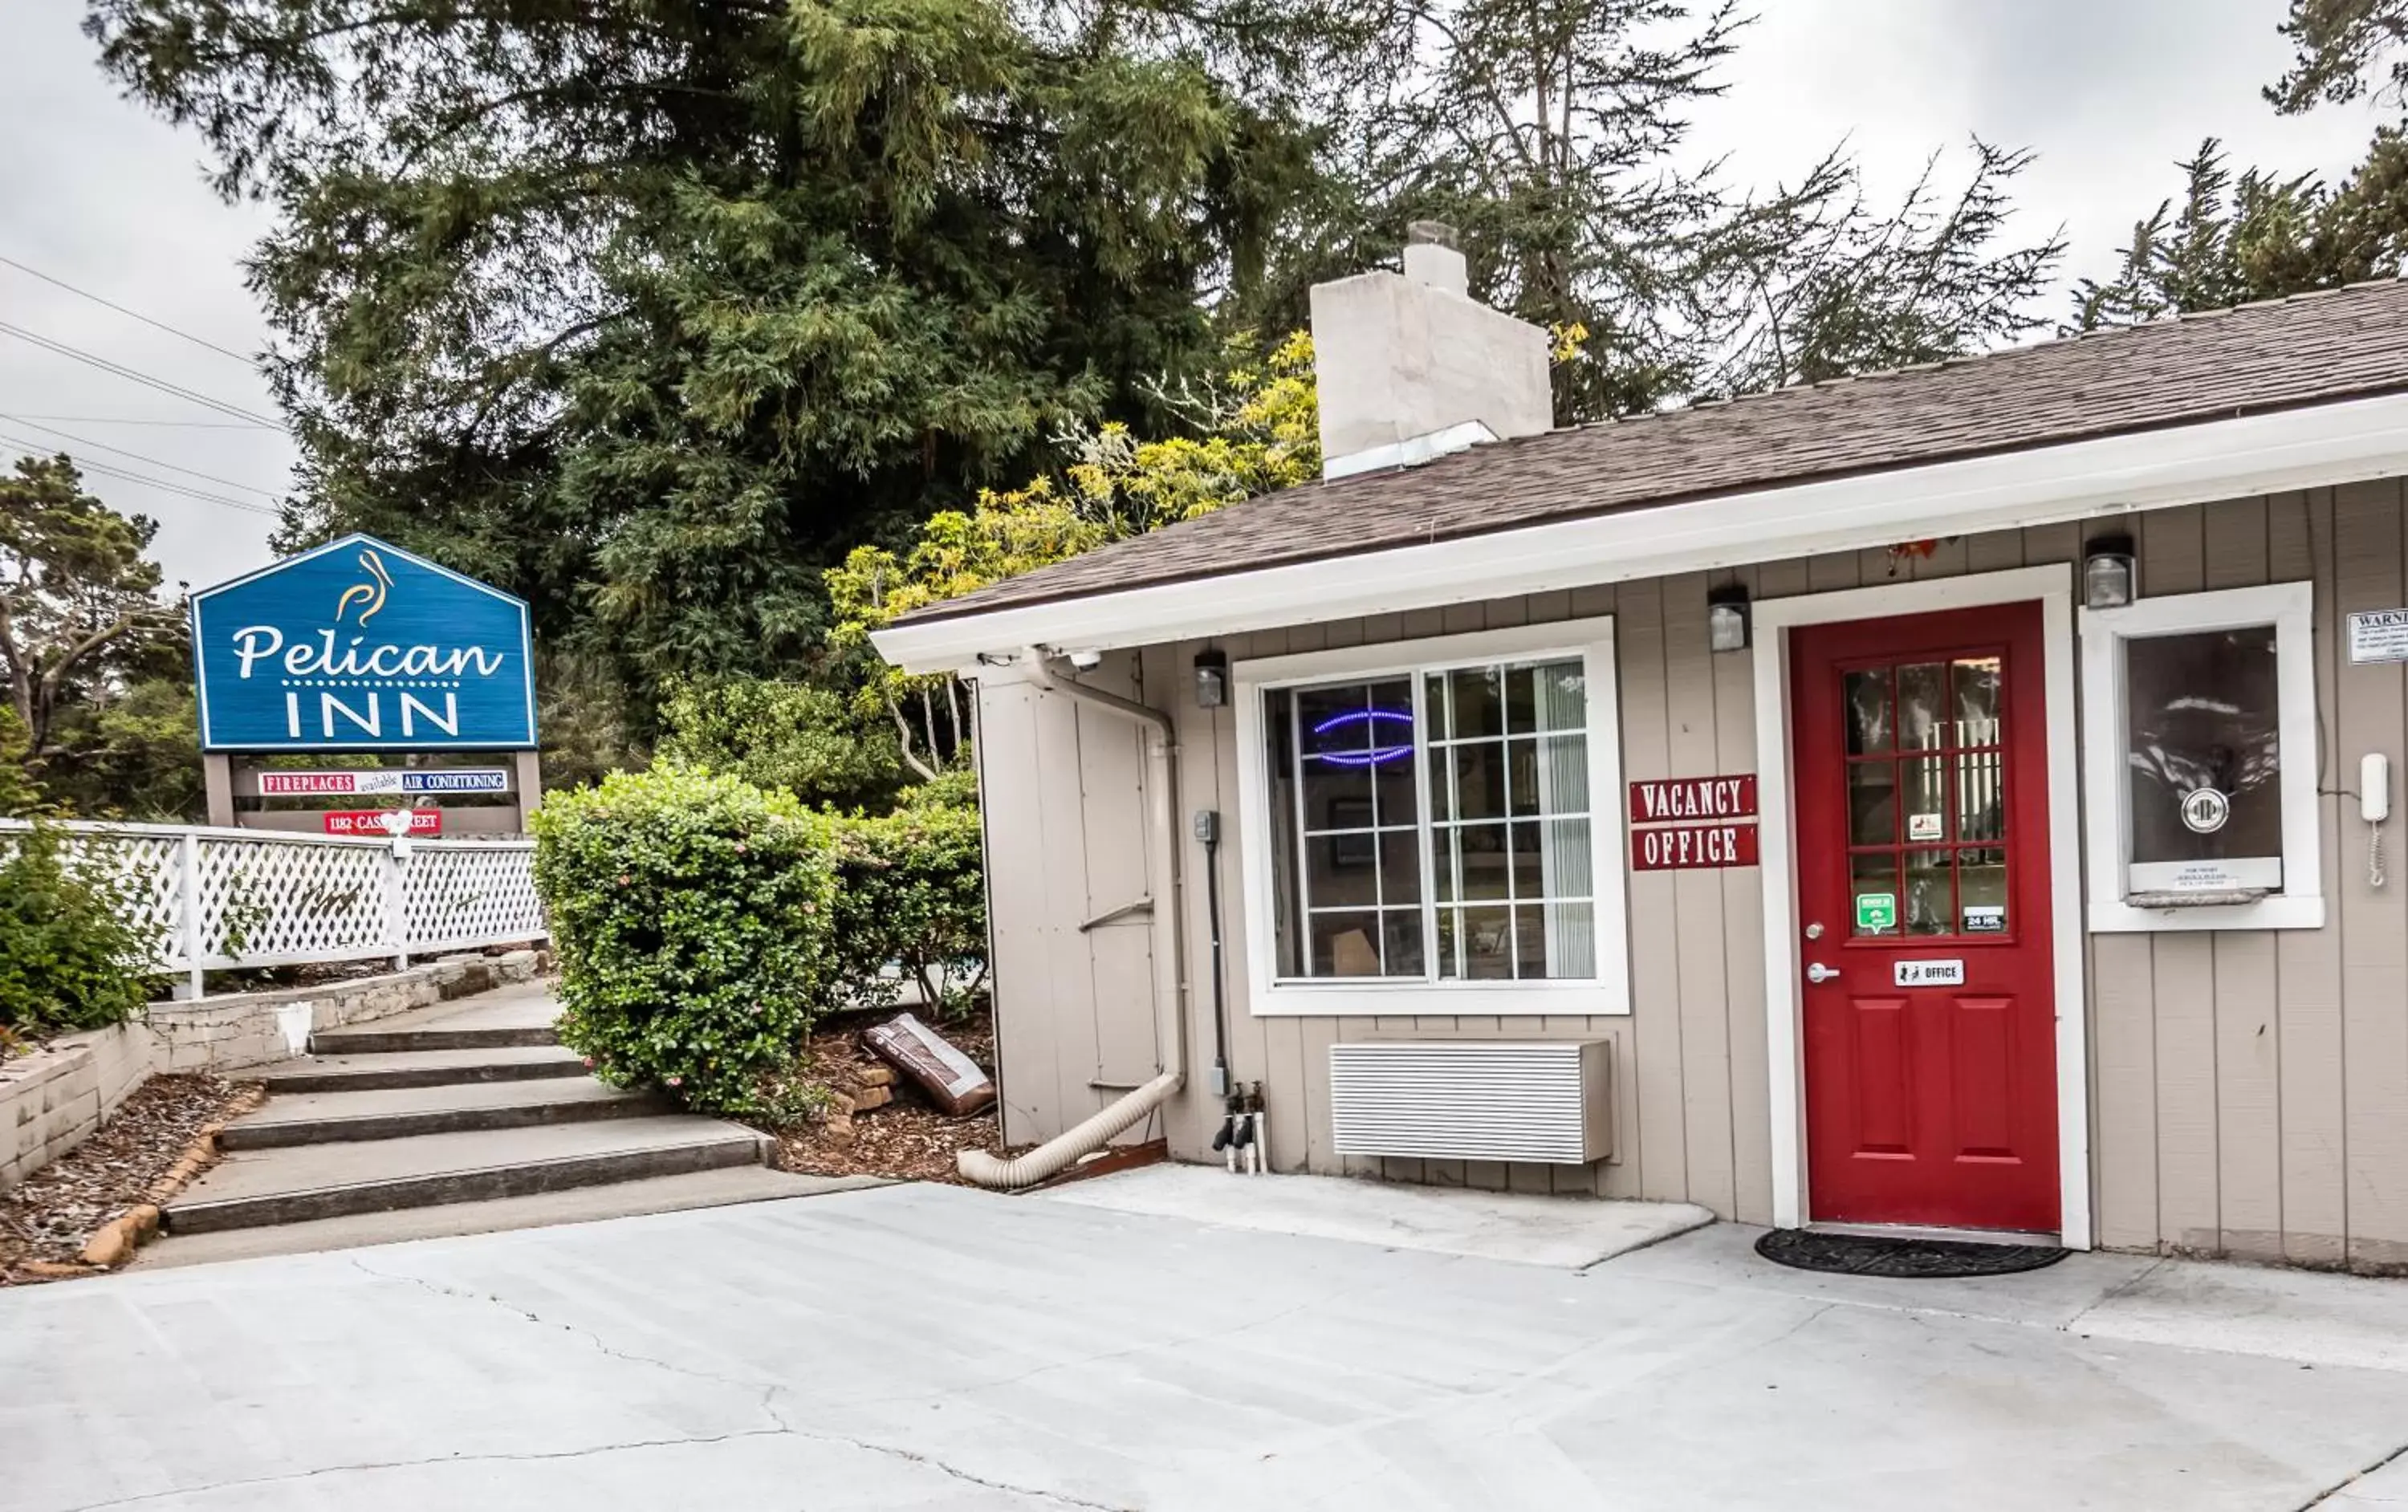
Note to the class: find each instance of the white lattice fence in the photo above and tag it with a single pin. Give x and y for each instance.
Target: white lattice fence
(209, 899)
(464, 893)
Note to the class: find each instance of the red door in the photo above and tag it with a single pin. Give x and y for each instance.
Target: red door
(1922, 792)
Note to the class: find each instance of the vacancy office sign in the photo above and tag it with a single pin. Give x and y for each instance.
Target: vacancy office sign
(361, 645)
(1693, 822)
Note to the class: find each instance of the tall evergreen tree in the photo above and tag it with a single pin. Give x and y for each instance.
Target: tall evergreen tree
(650, 309)
(1555, 136)
(2230, 238)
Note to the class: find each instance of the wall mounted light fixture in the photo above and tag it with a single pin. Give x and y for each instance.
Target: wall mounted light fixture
(1211, 679)
(2109, 578)
(1727, 618)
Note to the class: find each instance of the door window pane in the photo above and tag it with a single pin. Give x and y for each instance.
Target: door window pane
(1981, 892)
(1981, 795)
(1930, 904)
(1978, 718)
(1867, 711)
(1925, 799)
(1872, 888)
(1923, 707)
(1872, 804)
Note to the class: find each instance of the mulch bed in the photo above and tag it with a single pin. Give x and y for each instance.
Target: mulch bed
(49, 1215)
(908, 1140)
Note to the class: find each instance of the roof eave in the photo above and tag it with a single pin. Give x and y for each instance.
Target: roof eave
(2316, 446)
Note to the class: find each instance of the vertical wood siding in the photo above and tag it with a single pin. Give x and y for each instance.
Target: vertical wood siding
(2249, 1089)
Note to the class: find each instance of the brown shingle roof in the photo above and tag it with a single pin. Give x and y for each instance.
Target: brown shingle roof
(2312, 350)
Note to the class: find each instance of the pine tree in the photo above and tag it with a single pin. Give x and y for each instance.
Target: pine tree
(651, 310)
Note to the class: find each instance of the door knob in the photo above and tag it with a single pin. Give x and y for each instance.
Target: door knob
(1819, 973)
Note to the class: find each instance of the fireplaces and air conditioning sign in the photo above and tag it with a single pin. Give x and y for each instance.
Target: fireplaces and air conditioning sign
(361, 646)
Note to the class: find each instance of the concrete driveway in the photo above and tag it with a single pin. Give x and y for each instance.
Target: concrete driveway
(917, 1347)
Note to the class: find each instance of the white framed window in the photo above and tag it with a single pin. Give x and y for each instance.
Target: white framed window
(1435, 826)
(2200, 767)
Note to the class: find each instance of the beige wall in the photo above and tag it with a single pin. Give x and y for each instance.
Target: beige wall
(2249, 1089)
(1067, 842)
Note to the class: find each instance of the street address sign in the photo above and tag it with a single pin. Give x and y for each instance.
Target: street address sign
(361, 645)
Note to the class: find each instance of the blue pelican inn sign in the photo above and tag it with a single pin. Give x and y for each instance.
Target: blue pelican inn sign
(360, 646)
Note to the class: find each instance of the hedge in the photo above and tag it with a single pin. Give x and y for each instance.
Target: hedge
(692, 915)
(702, 925)
(911, 892)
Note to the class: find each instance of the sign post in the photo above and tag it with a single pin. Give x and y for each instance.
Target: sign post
(359, 646)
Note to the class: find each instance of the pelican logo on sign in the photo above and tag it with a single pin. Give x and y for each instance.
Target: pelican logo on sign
(361, 645)
(371, 593)
(2204, 810)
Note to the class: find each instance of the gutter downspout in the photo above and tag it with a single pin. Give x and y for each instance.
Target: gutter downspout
(1066, 1148)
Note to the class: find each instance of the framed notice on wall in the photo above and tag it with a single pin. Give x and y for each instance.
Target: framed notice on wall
(2378, 636)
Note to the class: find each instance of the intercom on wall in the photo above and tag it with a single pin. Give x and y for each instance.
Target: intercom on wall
(2375, 806)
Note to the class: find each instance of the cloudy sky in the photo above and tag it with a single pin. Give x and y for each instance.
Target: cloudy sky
(106, 198)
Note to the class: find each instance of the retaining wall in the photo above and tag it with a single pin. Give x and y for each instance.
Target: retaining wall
(57, 1097)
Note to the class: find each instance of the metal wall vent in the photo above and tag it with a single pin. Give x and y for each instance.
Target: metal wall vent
(1546, 1100)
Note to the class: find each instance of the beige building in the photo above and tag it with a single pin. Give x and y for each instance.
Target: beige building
(1953, 798)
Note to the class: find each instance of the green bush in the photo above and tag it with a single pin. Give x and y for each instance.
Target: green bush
(954, 787)
(787, 735)
(68, 959)
(911, 890)
(693, 919)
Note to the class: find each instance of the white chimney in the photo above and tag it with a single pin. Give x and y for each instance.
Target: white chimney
(1410, 366)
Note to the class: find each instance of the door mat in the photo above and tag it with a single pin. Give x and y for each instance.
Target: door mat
(1857, 1254)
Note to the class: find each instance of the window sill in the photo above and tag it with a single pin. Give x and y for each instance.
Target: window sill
(2286, 912)
(1475, 1000)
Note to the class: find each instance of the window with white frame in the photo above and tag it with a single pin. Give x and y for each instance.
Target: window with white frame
(2199, 718)
(1434, 815)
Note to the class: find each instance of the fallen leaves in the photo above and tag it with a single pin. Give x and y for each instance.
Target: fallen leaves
(45, 1219)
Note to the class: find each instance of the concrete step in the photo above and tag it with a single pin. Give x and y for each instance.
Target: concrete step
(521, 1015)
(379, 1069)
(396, 1113)
(305, 1182)
(722, 1188)
(382, 1041)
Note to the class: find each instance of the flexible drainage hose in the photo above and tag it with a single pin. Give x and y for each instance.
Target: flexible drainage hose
(1062, 1151)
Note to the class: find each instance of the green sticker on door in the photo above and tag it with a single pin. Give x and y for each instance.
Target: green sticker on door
(1875, 912)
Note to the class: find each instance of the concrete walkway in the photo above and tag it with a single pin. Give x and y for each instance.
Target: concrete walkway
(1445, 1220)
(934, 1347)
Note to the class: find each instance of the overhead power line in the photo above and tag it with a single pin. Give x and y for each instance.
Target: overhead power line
(134, 420)
(163, 485)
(155, 462)
(129, 314)
(121, 370)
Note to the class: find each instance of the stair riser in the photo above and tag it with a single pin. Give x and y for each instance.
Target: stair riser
(432, 1120)
(373, 1042)
(460, 1186)
(433, 1075)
